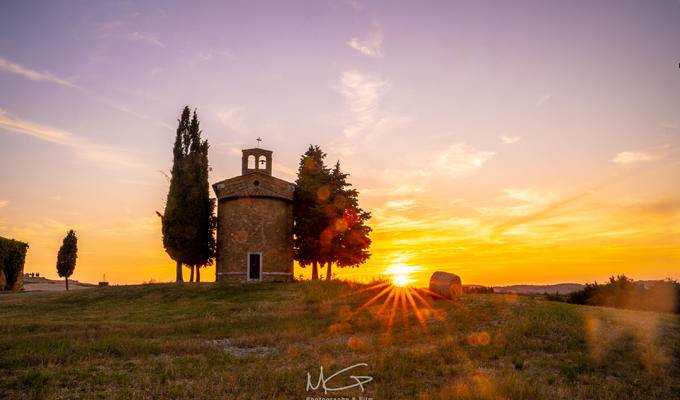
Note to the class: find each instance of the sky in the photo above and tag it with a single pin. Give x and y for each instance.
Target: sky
(508, 142)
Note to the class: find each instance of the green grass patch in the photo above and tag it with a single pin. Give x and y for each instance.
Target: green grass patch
(210, 341)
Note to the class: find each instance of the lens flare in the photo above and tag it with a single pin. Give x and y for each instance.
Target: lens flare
(401, 280)
(400, 274)
(398, 296)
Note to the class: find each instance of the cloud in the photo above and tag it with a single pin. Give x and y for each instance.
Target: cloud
(355, 4)
(277, 167)
(33, 75)
(400, 205)
(633, 157)
(234, 120)
(105, 155)
(362, 93)
(531, 201)
(509, 139)
(667, 206)
(209, 55)
(544, 99)
(4, 203)
(41, 76)
(548, 211)
(461, 160)
(146, 38)
(528, 195)
(370, 46)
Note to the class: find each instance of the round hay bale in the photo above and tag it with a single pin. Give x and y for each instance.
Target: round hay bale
(446, 284)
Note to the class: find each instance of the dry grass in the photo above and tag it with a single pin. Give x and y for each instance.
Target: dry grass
(259, 341)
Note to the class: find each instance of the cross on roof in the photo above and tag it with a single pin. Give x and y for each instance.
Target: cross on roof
(258, 141)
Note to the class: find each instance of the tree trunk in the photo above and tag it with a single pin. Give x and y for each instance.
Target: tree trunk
(66, 278)
(178, 278)
(328, 270)
(198, 274)
(191, 277)
(315, 271)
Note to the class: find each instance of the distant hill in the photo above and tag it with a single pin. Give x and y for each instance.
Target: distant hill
(560, 288)
(41, 284)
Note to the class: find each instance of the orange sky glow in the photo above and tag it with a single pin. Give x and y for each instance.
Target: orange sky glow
(498, 143)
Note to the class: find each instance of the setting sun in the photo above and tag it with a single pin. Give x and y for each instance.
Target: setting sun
(401, 274)
(401, 280)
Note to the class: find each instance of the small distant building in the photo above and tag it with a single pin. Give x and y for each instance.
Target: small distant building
(255, 223)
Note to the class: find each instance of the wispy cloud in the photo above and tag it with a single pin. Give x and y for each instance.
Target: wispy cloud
(146, 38)
(355, 4)
(543, 100)
(530, 201)
(509, 139)
(669, 125)
(400, 205)
(44, 76)
(210, 55)
(547, 211)
(362, 93)
(234, 120)
(460, 160)
(634, 157)
(4, 203)
(370, 46)
(28, 73)
(104, 155)
(528, 195)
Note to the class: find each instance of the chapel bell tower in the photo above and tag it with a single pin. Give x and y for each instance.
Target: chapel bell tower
(256, 160)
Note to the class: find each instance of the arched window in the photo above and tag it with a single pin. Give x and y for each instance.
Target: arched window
(262, 163)
(251, 162)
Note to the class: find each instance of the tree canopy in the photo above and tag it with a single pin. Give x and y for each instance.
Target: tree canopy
(329, 225)
(188, 220)
(12, 257)
(66, 258)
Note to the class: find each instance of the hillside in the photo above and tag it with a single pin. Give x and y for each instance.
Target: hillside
(41, 284)
(260, 341)
(560, 288)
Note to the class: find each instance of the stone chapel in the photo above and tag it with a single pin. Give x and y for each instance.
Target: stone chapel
(255, 223)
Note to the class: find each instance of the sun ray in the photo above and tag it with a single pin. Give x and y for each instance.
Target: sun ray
(370, 301)
(374, 286)
(416, 311)
(416, 294)
(387, 300)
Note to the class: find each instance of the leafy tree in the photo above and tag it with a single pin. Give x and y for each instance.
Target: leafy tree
(312, 191)
(66, 258)
(12, 257)
(347, 234)
(623, 292)
(188, 220)
(330, 227)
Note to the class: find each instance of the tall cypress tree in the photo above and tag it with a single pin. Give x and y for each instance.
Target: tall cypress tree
(202, 249)
(311, 193)
(188, 221)
(66, 258)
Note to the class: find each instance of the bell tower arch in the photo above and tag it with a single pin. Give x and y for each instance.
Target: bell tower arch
(263, 161)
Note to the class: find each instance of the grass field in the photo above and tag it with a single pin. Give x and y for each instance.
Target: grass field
(260, 341)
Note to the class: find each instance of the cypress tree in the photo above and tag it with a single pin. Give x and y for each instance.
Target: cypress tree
(66, 258)
(202, 248)
(188, 220)
(309, 220)
(174, 218)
